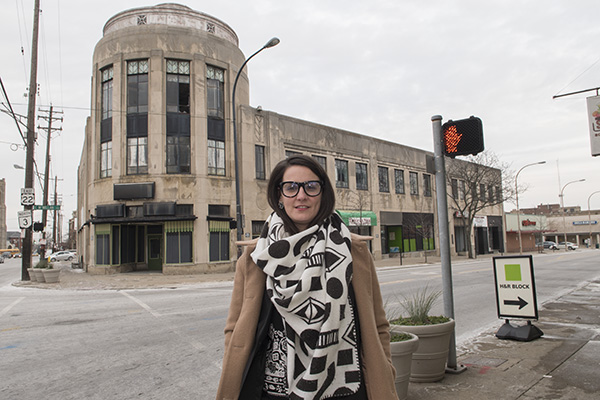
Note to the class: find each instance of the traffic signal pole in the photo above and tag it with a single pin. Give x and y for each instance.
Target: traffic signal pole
(442, 211)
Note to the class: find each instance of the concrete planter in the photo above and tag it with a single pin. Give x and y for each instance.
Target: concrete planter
(429, 360)
(402, 353)
(51, 275)
(32, 277)
(39, 275)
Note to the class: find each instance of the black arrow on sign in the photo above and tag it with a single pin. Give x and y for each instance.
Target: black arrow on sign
(521, 303)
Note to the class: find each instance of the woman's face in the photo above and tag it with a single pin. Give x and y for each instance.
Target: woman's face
(301, 208)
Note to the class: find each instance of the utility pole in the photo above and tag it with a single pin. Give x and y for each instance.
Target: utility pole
(50, 118)
(28, 242)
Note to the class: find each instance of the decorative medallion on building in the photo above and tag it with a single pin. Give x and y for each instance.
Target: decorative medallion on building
(142, 20)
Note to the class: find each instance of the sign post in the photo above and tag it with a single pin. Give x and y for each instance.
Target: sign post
(516, 296)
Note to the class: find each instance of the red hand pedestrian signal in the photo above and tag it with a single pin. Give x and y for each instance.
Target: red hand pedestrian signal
(463, 137)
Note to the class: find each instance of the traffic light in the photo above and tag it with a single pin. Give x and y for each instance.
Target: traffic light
(38, 226)
(463, 137)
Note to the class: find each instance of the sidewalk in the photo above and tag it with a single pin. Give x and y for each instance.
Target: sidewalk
(563, 364)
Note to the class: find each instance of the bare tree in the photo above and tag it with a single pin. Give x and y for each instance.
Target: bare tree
(475, 183)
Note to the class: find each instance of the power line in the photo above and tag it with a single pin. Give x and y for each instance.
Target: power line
(577, 77)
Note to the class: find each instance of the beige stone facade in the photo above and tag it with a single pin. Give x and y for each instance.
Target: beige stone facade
(157, 176)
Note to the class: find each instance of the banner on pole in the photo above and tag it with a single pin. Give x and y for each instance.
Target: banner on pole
(593, 105)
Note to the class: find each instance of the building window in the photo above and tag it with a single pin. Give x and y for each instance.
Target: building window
(384, 179)
(137, 155)
(106, 122)
(218, 228)
(137, 117)
(215, 82)
(257, 227)
(427, 185)
(399, 180)
(362, 179)
(216, 157)
(491, 193)
(498, 194)
(102, 244)
(259, 162)
(462, 190)
(179, 242)
(341, 173)
(289, 153)
(322, 162)
(482, 191)
(454, 183)
(215, 103)
(105, 159)
(414, 183)
(178, 117)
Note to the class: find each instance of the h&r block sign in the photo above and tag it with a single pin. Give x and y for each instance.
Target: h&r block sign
(515, 287)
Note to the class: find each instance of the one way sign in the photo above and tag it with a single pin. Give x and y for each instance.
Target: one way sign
(515, 287)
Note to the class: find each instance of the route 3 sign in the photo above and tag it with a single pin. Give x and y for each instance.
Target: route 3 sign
(25, 219)
(515, 287)
(27, 197)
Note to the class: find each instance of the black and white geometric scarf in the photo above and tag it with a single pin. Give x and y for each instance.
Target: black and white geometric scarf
(308, 278)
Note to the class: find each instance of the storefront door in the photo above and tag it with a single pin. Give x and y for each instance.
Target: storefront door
(155, 256)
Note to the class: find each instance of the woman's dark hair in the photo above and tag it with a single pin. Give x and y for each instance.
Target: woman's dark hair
(327, 195)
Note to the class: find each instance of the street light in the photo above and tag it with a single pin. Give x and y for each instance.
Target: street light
(590, 215)
(562, 207)
(238, 211)
(517, 197)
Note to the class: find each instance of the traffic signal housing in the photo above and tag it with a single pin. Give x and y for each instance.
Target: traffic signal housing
(463, 137)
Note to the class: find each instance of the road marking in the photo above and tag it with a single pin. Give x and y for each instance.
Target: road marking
(142, 304)
(8, 307)
(400, 281)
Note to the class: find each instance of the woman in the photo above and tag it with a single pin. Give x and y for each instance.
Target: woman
(306, 319)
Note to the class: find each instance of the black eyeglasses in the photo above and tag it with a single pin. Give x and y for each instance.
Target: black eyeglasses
(291, 188)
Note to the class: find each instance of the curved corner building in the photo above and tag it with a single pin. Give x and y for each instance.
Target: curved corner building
(156, 173)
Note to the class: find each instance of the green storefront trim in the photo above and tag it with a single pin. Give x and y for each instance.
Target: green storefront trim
(358, 218)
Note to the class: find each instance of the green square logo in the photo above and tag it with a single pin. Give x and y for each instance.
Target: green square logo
(512, 272)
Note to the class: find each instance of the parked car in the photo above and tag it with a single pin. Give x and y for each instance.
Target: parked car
(550, 245)
(64, 255)
(570, 245)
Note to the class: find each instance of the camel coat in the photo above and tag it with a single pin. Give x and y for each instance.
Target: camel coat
(244, 311)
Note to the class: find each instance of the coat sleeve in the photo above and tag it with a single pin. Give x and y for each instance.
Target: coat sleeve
(383, 325)
(375, 329)
(240, 326)
(237, 296)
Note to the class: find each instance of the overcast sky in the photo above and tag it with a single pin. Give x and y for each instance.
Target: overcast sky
(381, 68)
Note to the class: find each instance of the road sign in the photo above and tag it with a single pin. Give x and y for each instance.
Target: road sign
(48, 207)
(25, 219)
(27, 197)
(515, 287)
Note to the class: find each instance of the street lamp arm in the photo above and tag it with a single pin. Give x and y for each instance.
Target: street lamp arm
(562, 209)
(271, 43)
(238, 208)
(517, 201)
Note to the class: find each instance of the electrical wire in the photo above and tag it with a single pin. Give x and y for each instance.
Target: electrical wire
(21, 36)
(578, 76)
